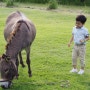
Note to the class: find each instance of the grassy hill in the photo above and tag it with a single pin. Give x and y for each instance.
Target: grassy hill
(50, 55)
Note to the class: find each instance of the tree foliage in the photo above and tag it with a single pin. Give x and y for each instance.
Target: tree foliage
(74, 2)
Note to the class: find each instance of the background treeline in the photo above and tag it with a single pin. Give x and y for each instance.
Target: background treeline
(74, 2)
(63, 2)
(33, 1)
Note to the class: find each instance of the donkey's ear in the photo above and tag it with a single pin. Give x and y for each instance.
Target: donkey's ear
(3, 56)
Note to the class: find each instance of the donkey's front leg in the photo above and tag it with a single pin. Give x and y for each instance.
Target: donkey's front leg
(28, 61)
(17, 64)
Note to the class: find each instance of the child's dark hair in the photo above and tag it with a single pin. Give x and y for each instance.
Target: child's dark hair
(81, 18)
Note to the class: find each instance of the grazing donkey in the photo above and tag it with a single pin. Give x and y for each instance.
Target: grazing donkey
(19, 33)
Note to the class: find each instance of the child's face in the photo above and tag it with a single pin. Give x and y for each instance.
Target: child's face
(79, 24)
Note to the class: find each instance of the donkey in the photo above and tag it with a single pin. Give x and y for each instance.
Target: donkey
(19, 33)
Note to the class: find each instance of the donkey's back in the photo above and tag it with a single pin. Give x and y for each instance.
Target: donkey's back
(11, 22)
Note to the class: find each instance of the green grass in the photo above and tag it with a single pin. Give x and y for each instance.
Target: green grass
(50, 56)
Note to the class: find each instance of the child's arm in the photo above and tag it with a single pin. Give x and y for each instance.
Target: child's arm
(69, 44)
(86, 39)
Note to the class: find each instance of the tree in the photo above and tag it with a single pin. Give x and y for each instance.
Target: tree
(82, 0)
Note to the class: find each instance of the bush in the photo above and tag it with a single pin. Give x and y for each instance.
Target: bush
(9, 3)
(53, 4)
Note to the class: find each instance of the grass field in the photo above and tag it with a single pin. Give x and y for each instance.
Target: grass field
(50, 56)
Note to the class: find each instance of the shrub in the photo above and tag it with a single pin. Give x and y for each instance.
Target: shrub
(9, 3)
(53, 4)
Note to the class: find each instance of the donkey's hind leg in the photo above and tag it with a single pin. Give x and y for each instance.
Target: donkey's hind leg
(28, 61)
(21, 60)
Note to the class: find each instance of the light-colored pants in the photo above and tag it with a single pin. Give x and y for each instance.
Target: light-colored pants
(79, 51)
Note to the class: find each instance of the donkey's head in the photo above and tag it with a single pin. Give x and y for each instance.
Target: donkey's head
(7, 69)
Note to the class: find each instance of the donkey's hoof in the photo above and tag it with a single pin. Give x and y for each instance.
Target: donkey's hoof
(30, 75)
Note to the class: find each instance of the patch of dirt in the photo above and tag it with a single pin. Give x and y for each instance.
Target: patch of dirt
(62, 10)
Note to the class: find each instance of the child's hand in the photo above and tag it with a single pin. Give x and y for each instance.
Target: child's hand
(82, 41)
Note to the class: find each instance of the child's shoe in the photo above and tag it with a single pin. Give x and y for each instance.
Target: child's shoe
(74, 70)
(81, 71)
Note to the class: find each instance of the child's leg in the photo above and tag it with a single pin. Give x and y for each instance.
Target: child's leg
(74, 57)
(82, 51)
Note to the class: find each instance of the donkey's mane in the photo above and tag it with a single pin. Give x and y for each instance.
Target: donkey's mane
(13, 33)
(15, 30)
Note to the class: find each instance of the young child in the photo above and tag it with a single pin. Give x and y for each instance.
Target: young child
(79, 35)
